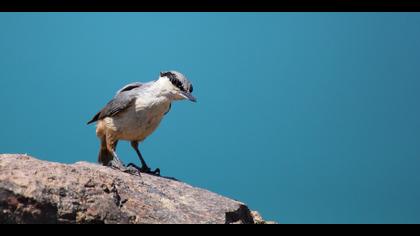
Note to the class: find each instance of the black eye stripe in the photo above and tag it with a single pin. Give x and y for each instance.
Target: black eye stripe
(176, 83)
(168, 74)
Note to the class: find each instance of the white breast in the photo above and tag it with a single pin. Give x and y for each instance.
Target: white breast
(140, 120)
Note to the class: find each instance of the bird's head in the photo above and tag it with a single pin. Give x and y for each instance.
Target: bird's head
(177, 85)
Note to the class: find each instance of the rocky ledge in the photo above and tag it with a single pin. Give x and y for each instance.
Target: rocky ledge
(35, 191)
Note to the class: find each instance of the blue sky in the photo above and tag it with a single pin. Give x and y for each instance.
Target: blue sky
(306, 117)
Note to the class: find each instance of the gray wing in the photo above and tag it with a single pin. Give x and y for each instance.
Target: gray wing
(129, 87)
(117, 105)
(122, 100)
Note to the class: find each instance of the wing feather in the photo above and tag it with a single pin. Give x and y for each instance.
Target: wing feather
(122, 100)
(129, 87)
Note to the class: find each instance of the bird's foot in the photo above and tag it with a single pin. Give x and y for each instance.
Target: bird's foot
(127, 169)
(131, 170)
(145, 169)
(117, 165)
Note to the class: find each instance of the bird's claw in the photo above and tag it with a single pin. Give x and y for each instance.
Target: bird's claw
(132, 170)
(145, 169)
(155, 172)
(126, 169)
(116, 165)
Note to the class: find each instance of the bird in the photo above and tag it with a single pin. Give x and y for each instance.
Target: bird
(134, 113)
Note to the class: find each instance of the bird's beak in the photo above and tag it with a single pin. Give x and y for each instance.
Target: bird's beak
(188, 96)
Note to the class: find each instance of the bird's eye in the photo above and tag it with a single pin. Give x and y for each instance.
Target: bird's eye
(191, 88)
(177, 83)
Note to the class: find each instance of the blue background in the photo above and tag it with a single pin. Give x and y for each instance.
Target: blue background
(306, 117)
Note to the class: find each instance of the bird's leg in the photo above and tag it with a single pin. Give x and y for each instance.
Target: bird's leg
(116, 162)
(111, 145)
(144, 168)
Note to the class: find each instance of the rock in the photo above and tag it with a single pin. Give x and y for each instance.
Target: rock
(35, 191)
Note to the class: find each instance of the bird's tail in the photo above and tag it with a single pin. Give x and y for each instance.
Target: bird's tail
(104, 156)
(94, 119)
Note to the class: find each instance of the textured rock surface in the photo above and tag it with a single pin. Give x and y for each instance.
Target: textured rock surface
(34, 191)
